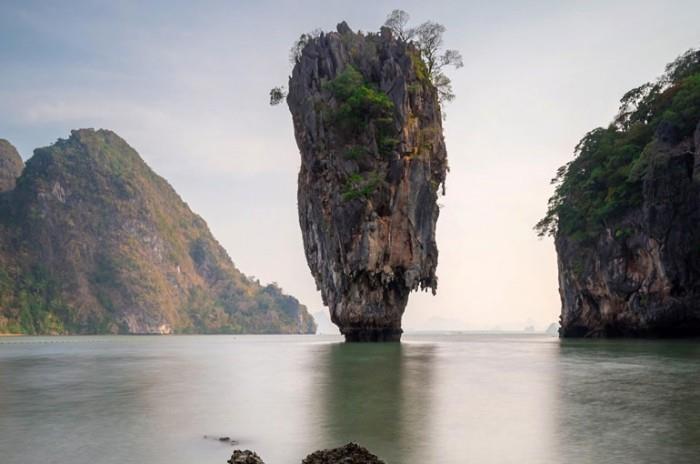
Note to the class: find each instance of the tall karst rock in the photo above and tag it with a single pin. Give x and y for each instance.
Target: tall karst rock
(368, 126)
(626, 216)
(93, 241)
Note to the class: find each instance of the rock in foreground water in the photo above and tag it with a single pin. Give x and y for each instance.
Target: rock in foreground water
(245, 457)
(348, 454)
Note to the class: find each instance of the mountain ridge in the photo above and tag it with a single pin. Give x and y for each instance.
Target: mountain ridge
(94, 241)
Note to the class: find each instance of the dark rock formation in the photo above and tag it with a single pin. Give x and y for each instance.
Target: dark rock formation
(641, 275)
(245, 457)
(368, 125)
(348, 454)
(11, 166)
(93, 241)
(628, 216)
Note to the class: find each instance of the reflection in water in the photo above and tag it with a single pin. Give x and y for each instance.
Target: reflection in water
(377, 395)
(629, 401)
(123, 400)
(483, 399)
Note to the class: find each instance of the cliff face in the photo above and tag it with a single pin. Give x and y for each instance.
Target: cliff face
(627, 216)
(641, 276)
(368, 126)
(11, 166)
(93, 241)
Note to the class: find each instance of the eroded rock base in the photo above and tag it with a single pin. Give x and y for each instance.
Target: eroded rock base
(365, 334)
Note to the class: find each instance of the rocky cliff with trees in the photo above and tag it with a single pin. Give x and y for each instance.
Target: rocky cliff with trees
(368, 124)
(93, 241)
(625, 215)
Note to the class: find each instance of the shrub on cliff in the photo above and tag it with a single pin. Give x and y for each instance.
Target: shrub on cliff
(428, 38)
(359, 105)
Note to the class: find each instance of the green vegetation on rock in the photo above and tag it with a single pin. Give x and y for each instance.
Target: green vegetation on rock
(604, 181)
(93, 241)
(430, 60)
(358, 186)
(361, 105)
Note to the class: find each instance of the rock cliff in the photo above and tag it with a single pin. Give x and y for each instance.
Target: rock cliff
(626, 216)
(368, 126)
(93, 241)
(11, 166)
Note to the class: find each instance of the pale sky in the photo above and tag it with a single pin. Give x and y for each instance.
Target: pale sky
(186, 84)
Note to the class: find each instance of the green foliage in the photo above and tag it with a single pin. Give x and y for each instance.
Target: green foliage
(361, 107)
(430, 60)
(105, 256)
(358, 186)
(37, 303)
(683, 112)
(419, 66)
(605, 179)
(277, 95)
(359, 103)
(623, 232)
(355, 152)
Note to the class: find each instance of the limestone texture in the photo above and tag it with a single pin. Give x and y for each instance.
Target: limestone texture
(368, 125)
(626, 216)
(641, 275)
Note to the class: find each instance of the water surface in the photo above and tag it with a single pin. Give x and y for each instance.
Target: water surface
(447, 399)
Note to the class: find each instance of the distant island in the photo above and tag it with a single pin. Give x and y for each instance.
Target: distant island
(92, 241)
(625, 215)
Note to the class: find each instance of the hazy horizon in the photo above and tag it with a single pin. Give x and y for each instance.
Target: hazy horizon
(187, 86)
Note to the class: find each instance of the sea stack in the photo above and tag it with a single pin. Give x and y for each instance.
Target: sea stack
(626, 216)
(368, 126)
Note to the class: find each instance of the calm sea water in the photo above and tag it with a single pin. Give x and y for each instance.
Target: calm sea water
(440, 399)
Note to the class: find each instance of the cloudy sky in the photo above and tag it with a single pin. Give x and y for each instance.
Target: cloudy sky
(186, 83)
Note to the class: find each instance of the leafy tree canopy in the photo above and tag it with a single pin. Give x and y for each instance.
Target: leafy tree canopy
(604, 180)
(428, 37)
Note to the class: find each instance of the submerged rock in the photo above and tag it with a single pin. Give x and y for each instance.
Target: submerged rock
(369, 129)
(348, 454)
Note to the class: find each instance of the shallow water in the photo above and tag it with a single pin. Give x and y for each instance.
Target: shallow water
(443, 399)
